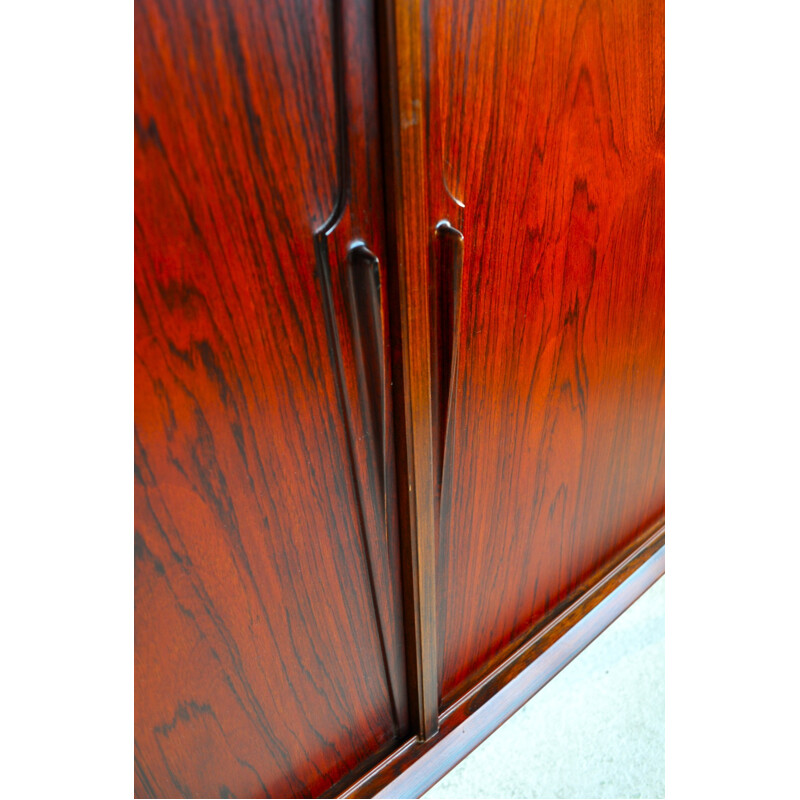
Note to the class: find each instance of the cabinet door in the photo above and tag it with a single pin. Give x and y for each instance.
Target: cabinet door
(268, 642)
(546, 152)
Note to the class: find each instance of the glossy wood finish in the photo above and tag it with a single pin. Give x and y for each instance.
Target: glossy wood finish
(399, 375)
(414, 767)
(268, 634)
(403, 77)
(550, 118)
(445, 299)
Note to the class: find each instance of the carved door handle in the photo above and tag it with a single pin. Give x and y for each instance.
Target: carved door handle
(445, 321)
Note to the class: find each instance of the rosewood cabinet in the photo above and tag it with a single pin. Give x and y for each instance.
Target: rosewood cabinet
(399, 354)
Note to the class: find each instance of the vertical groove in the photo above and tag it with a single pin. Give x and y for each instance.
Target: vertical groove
(335, 349)
(363, 299)
(343, 144)
(445, 317)
(404, 113)
(364, 310)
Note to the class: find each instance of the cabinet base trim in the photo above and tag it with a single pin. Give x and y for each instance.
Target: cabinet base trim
(415, 765)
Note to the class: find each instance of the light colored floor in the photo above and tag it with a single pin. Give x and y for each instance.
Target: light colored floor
(595, 731)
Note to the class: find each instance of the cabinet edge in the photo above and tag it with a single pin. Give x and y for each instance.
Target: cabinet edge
(416, 765)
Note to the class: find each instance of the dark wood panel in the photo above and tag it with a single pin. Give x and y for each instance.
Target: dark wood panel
(551, 125)
(268, 631)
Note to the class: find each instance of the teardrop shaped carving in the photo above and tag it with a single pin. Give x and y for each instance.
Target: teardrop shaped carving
(445, 310)
(363, 299)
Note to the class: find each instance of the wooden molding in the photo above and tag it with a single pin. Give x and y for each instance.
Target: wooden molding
(408, 237)
(416, 765)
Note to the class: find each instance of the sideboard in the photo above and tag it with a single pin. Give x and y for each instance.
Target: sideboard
(399, 376)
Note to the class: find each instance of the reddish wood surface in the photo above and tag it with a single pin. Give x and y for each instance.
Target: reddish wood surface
(268, 630)
(415, 766)
(496, 340)
(549, 123)
(409, 235)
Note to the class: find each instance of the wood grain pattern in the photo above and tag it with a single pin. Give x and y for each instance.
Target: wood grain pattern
(445, 299)
(409, 236)
(416, 765)
(268, 633)
(385, 470)
(551, 119)
(354, 299)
